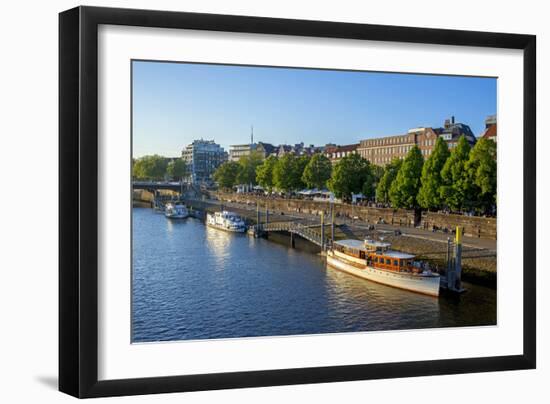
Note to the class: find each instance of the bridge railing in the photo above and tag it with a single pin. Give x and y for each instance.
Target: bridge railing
(305, 231)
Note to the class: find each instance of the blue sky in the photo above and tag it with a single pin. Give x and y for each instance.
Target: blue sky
(174, 103)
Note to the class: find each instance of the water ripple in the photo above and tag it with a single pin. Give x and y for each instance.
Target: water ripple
(194, 282)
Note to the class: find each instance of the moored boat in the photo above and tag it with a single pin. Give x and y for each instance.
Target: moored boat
(175, 211)
(375, 261)
(227, 221)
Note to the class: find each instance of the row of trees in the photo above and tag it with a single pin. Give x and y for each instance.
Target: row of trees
(462, 180)
(352, 174)
(286, 174)
(156, 167)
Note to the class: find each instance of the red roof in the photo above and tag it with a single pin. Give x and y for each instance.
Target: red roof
(490, 132)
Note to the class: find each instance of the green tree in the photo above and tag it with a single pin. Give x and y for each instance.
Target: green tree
(299, 166)
(369, 185)
(264, 173)
(247, 168)
(404, 189)
(317, 171)
(151, 167)
(283, 173)
(351, 175)
(428, 195)
(482, 170)
(177, 169)
(383, 187)
(377, 174)
(226, 174)
(457, 186)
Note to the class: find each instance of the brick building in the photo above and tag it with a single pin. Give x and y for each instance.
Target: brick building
(383, 150)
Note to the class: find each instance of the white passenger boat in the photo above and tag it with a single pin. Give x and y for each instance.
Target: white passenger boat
(175, 211)
(375, 261)
(227, 221)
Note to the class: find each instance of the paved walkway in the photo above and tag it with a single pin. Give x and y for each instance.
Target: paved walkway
(471, 242)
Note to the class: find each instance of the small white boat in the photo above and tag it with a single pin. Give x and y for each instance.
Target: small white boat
(175, 211)
(373, 260)
(227, 221)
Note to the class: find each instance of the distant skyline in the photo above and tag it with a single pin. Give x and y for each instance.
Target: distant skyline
(176, 103)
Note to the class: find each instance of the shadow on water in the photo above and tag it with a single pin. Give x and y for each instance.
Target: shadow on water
(190, 281)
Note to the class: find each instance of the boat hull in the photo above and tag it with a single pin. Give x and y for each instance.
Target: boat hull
(428, 285)
(215, 226)
(183, 216)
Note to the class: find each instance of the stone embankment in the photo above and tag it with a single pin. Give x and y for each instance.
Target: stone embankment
(474, 226)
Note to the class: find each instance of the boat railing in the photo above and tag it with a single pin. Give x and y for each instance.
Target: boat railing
(395, 268)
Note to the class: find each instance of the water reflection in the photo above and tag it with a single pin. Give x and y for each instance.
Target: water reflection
(194, 282)
(218, 244)
(397, 307)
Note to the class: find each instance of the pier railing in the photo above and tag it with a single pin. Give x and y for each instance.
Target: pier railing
(306, 231)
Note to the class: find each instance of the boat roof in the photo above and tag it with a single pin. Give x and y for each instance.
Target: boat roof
(359, 245)
(375, 243)
(398, 255)
(351, 243)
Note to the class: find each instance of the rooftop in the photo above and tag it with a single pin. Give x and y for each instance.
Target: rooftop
(490, 132)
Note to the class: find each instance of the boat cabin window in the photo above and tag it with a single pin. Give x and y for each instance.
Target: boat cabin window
(388, 261)
(395, 262)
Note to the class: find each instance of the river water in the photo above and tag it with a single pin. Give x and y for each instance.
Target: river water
(193, 282)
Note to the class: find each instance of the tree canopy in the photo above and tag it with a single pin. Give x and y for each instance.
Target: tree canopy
(247, 168)
(377, 173)
(283, 173)
(429, 196)
(350, 175)
(226, 174)
(404, 189)
(317, 172)
(264, 173)
(457, 186)
(287, 173)
(177, 169)
(151, 167)
(300, 165)
(482, 171)
(384, 184)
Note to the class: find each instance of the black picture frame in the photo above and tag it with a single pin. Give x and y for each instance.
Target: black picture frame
(78, 200)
